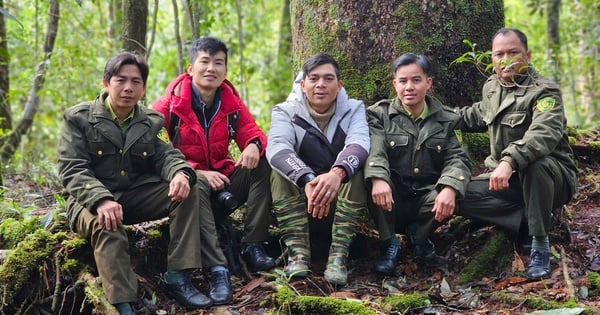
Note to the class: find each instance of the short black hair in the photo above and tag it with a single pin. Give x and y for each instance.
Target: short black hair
(318, 60)
(411, 58)
(210, 44)
(114, 64)
(505, 30)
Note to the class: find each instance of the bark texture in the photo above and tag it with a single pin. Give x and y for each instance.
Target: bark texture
(366, 36)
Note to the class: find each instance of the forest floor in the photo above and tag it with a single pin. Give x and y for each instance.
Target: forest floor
(574, 242)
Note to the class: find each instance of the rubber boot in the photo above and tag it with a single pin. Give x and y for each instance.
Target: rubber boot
(345, 225)
(293, 222)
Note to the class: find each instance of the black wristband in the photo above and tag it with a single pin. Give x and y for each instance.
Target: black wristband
(304, 179)
(258, 145)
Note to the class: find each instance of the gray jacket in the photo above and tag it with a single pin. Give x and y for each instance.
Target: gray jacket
(296, 145)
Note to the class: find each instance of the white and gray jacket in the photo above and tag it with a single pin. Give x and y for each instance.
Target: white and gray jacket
(296, 145)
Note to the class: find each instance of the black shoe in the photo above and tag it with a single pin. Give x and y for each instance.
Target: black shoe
(386, 263)
(186, 294)
(220, 287)
(425, 251)
(539, 265)
(256, 258)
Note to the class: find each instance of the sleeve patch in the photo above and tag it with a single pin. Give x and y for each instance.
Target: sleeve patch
(163, 135)
(545, 104)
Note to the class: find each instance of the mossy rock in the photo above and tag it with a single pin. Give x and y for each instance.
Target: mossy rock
(291, 303)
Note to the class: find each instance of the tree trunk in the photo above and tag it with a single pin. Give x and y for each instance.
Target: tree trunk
(135, 23)
(178, 40)
(5, 113)
(553, 34)
(365, 36)
(10, 143)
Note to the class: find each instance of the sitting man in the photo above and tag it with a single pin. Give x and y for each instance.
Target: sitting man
(318, 143)
(203, 113)
(118, 167)
(531, 162)
(416, 168)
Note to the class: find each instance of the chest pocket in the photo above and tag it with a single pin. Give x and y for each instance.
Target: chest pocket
(142, 157)
(436, 151)
(397, 147)
(514, 125)
(104, 158)
(513, 119)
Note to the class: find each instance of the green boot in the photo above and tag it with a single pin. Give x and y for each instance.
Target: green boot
(293, 222)
(345, 225)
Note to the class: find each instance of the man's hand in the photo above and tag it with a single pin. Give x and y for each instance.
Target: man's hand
(216, 180)
(381, 193)
(179, 187)
(249, 157)
(110, 214)
(444, 205)
(500, 176)
(320, 192)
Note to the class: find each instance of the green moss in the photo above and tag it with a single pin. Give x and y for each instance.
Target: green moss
(594, 279)
(23, 262)
(477, 145)
(572, 140)
(299, 304)
(595, 145)
(405, 302)
(495, 254)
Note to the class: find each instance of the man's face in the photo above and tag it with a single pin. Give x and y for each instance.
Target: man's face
(208, 72)
(125, 88)
(509, 56)
(321, 87)
(411, 85)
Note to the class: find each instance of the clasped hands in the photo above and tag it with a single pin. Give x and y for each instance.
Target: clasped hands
(320, 192)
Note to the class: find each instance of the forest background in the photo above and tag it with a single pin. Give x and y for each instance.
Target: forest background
(44, 70)
(259, 64)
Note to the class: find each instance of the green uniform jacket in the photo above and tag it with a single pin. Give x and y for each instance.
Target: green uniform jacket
(526, 122)
(97, 160)
(418, 160)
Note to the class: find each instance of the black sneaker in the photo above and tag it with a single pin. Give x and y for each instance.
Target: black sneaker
(220, 287)
(256, 257)
(539, 265)
(386, 263)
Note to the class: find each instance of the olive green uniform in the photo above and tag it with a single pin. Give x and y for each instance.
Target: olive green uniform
(527, 128)
(417, 158)
(99, 160)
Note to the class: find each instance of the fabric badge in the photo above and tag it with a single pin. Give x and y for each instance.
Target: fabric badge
(163, 135)
(545, 104)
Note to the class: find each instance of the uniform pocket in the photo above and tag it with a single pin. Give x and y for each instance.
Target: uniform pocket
(104, 158)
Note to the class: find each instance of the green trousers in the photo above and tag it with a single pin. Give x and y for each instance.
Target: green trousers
(291, 211)
(532, 194)
(247, 186)
(111, 248)
(408, 212)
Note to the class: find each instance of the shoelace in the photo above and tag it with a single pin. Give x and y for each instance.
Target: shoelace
(536, 258)
(220, 280)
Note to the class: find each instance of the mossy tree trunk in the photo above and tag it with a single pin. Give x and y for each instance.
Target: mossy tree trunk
(366, 36)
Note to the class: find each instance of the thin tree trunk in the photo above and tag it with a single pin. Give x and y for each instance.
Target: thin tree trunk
(5, 113)
(195, 11)
(14, 138)
(243, 85)
(153, 28)
(553, 34)
(178, 41)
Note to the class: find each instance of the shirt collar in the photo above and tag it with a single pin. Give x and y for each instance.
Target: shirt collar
(113, 115)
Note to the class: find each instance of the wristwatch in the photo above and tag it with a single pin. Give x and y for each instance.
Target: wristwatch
(305, 179)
